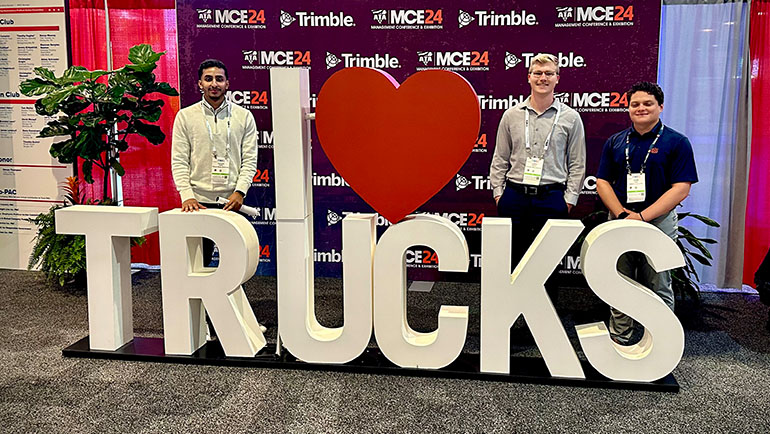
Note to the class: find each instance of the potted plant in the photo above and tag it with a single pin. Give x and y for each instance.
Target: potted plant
(95, 112)
(684, 279)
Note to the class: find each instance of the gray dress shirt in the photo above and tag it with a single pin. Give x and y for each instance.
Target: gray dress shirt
(565, 160)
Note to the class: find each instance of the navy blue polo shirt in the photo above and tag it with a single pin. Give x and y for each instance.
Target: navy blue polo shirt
(670, 161)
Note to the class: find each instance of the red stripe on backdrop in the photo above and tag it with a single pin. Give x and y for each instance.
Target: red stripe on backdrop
(758, 202)
(88, 42)
(148, 179)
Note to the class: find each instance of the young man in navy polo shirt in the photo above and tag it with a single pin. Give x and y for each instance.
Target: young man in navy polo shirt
(644, 173)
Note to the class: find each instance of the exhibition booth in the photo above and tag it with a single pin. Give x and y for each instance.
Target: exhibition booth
(376, 126)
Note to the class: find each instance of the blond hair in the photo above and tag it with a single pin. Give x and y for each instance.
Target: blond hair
(544, 58)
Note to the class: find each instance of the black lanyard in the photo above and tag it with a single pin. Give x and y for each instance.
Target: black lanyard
(652, 145)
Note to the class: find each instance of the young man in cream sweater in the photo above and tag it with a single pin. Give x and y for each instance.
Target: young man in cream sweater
(214, 147)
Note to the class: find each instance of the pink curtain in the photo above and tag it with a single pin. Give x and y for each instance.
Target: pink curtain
(147, 181)
(758, 204)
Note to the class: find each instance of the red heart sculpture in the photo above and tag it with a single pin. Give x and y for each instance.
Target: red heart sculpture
(397, 146)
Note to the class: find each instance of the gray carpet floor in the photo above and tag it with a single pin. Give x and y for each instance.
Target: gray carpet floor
(724, 375)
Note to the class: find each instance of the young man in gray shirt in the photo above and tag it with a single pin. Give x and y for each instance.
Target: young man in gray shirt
(538, 166)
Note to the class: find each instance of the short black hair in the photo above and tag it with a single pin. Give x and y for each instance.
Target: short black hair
(649, 87)
(211, 63)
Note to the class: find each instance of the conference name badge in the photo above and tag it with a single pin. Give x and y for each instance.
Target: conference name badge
(533, 171)
(635, 188)
(220, 171)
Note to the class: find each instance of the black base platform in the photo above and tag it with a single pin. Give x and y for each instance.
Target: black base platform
(523, 369)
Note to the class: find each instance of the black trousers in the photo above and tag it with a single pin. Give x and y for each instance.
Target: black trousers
(528, 214)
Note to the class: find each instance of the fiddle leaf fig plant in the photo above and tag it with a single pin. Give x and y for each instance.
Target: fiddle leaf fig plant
(95, 111)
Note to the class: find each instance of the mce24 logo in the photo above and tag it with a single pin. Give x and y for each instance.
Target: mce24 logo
(232, 16)
(595, 14)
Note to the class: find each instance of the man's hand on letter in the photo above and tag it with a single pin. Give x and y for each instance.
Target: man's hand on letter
(191, 205)
(234, 202)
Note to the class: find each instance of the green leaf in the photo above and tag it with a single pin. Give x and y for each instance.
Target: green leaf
(700, 258)
(704, 219)
(62, 151)
(120, 145)
(95, 74)
(45, 73)
(152, 133)
(52, 100)
(118, 168)
(87, 171)
(54, 130)
(165, 89)
(708, 240)
(74, 74)
(143, 53)
(36, 86)
(142, 67)
(73, 105)
(43, 110)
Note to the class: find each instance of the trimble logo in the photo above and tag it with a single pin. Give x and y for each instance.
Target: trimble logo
(597, 102)
(565, 60)
(249, 99)
(330, 180)
(310, 19)
(333, 218)
(489, 102)
(476, 182)
(268, 59)
(494, 19)
(231, 19)
(454, 60)
(407, 19)
(594, 16)
(351, 60)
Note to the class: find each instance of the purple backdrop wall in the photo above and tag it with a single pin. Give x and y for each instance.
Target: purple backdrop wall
(603, 48)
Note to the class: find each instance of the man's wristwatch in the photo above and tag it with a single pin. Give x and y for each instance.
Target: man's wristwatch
(241, 193)
(623, 215)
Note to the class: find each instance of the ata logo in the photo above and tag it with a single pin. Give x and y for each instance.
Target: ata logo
(407, 19)
(310, 19)
(565, 13)
(494, 19)
(351, 60)
(204, 15)
(595, 16)
(264, 215)
(269, 59)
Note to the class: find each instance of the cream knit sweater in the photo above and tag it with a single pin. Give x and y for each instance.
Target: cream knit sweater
(192, 148)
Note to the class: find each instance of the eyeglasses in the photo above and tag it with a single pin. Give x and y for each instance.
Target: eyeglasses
(539, 74)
